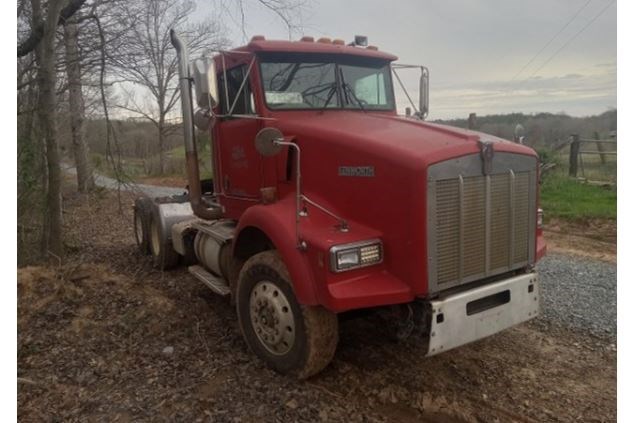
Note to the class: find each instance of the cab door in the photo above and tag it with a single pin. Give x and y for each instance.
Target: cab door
(240, 168)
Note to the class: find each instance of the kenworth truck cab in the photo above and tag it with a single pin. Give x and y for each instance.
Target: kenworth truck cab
(324, 200)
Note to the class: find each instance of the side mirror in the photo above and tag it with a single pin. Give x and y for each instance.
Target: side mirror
(424, 89)
(266, 141)
(205, 88)
(204, 119)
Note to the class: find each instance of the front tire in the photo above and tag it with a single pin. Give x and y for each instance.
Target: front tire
(291, 338)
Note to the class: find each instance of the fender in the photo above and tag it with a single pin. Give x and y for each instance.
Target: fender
(277, 221)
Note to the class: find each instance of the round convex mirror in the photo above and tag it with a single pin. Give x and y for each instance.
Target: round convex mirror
(265, 144)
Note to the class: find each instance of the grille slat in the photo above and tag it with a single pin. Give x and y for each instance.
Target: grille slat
(471, 212)
(474, 226)
(499, 221)
(447, 218)
(521, 213)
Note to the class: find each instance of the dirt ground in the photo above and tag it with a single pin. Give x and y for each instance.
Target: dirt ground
(594, 238)
(107, 338)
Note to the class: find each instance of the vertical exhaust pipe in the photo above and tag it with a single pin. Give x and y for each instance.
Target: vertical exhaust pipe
(191, 156)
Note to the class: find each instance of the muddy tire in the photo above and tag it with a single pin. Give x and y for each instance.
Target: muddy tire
(163, 253)
(291, 338)
(142, 212)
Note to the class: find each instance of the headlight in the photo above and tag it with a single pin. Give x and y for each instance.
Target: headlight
(355, 255)
(539, 218)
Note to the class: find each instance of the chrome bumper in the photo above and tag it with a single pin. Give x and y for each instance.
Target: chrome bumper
(480, 312)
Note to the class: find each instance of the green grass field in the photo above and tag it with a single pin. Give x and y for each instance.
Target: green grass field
(136, 168)
(179, 152)
(569, 199)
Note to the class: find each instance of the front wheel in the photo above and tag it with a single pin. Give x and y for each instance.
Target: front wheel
(291, 338)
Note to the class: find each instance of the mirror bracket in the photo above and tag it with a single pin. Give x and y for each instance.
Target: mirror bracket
(420, 112)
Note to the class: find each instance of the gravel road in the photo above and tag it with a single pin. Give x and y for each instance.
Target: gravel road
(580, 293)
(141, 189)
(149, 190)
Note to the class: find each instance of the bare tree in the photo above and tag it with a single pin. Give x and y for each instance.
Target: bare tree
(85, 181)
(290, 12)
(39, 28)
(46, 111)
(148, 61)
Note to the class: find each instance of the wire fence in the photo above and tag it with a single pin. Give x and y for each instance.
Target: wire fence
(594, 160)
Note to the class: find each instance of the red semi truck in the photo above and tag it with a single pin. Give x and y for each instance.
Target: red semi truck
(324, 200)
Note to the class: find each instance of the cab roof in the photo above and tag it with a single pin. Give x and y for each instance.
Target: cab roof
(258, 44)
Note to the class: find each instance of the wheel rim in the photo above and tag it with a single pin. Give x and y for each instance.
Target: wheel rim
(272, 317)
(138, 229)
(155, 240)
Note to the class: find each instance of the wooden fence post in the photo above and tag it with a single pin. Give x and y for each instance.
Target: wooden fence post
(600, 146)
(471, 121)
(573, 155)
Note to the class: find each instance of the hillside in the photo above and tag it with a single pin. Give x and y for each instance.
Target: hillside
(543, 129)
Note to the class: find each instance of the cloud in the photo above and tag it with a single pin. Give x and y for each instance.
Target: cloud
(578, 94)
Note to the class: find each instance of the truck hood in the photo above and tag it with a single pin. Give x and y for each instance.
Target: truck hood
(408, 142)
(371, 169)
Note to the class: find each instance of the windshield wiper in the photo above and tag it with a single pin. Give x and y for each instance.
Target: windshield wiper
(352, 93)
(332, 91)
(349, 90)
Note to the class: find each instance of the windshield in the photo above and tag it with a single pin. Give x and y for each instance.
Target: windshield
(322, 84)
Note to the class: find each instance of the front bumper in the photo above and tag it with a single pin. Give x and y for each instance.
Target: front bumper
(480, 312)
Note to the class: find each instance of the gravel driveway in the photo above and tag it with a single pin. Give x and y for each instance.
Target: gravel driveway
(141, 189)
(580, 293)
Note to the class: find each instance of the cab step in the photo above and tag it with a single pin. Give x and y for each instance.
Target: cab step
(215, 283)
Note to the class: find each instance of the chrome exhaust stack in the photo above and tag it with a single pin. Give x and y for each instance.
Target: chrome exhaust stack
(199, 207)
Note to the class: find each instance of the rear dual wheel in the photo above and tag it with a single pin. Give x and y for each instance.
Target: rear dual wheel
(150, 238)
(161, 247)
(142, 216)
(291, 338)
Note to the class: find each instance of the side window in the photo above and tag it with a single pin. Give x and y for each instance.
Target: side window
(371, 89)
(245, 102)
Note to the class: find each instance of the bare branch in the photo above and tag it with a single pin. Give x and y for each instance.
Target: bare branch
(37, 33)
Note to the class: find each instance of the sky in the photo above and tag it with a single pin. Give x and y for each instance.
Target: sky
(479, 52)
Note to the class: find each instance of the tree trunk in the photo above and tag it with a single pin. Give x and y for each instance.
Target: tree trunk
(45, 57)
(162, 144)
(85, 181)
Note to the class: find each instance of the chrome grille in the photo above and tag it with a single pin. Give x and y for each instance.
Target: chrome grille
(521, 214)
(480, 225)
(500, 222)
(447, 222)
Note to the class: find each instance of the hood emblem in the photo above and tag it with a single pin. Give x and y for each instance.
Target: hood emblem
(487, 156)
(363, 171)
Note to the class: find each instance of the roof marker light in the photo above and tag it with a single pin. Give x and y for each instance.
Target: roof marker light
(307, 39)
(361, 40)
